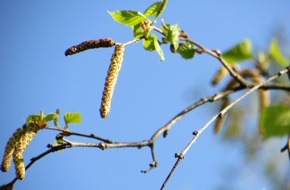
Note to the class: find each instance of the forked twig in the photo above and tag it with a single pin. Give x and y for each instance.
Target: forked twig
(181, 155)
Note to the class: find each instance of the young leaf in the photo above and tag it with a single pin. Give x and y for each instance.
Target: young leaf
(276, 53)
(161, 8)
(137, 30)
(148, 43)
(153, 9)
(158, 49)
(240, 52)
(33, 118)
(172, 33)
(186, 50)
(71, 117)
(50, 117)
(151, 43)
(275, 120)
(129, 18)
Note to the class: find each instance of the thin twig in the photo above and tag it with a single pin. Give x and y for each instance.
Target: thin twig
(220, 114)
(164, 129)
(218, 56)
(215, 54)
(68, 133)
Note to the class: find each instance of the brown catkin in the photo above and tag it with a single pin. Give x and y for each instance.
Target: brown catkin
(112, 76)
(29, 131)
(9, 149)
(91, 44)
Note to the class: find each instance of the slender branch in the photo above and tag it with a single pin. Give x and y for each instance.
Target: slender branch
(217, 54)
(68, 133)
(132, 41)
(220, 114)
(214, 53)
(36, 158)
(164, 129)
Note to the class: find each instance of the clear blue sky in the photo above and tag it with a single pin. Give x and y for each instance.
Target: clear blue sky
(35, 75)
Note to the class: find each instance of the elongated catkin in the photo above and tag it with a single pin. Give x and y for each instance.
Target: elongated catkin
(91, 44)
(220, 121)
(9, 149)
(264, 99)
(264, 95)
(112, 76)
(29, 132)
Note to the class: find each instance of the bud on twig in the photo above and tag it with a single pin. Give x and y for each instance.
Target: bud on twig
(112, 76)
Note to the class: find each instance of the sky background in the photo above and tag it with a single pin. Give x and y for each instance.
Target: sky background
(35, 75)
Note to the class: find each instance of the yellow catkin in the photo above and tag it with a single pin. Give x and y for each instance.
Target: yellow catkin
(112, 76)
(9, 149)
(221, 73)
(220, 121)
(29, 131)
(264, 98)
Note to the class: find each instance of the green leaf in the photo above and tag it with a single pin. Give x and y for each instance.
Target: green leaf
(158, 49)
(172, 33)
(276, 53)
(240, 52)
(33, 118)
(137, 30)
(148, 43)
(151, 43)
(186, 50)
(71, 117)
(50, 117)
(161, 8)
(153, 9)
(275, 120)
(129, 18)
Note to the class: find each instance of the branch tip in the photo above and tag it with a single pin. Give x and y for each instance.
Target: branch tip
(152, 165)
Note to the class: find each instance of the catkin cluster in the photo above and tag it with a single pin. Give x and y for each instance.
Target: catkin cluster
(91, 44)
(16, 146)
(112, 75)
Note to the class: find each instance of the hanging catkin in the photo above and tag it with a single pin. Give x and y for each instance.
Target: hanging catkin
(264, 95)
(9, 149)
(112, 76)
(220, 121)
(29, 131)
(16, 146)
(264, 99)
(91, 44)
